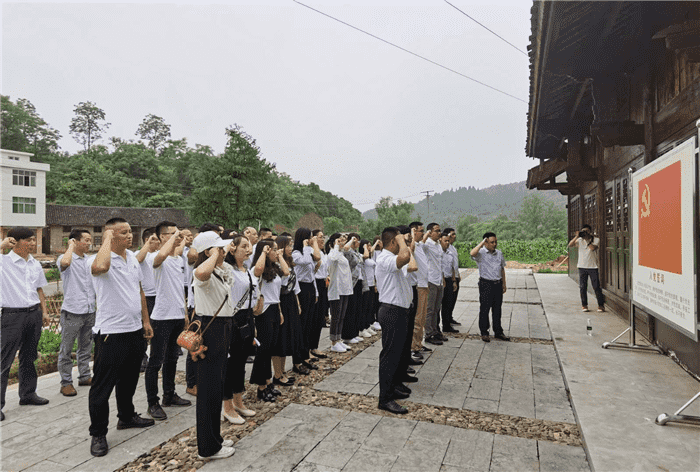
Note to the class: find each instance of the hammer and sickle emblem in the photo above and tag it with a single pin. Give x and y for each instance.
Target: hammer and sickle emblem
(646, 202)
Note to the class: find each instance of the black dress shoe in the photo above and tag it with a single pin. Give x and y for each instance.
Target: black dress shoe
(273, 390)
(320, 355)
(434, 340)
(455, 323)
(450, 329)
(502, 337)
(410, 370)
(250, 360)
(442, 337)
(485, 338)
(392, 407)
(416, 354)
(266, 396)
(413, 361)
(409, 379)
(398, 395)
(311, 359)
(277, 381)
(33, 399)
(402, 388)
(425, 349)
(2, 416)
(99, 446)
(157, 413)
(309, 366)
(175, 400)
(135, 422)
(302, 369)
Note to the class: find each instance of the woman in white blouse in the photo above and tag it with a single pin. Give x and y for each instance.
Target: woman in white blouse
(321, 311)
(339, 287)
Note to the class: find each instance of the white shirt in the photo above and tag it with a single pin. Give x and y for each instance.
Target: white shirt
(170, 297)
(370, 265)
(209, 294)
(587, 259)
(78, 292)
(392, 284)
(149, 282)
(188, 268)
(422, 262)
(447, 264)
(434, 255)
(304, 264)
(271, 291)
(118, 295)
(241, 284)
(19, 281)
(340, 275)
(452, 251)
(322, 272)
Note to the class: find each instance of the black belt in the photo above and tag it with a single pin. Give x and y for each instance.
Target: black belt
(497, 281)
(21, 310)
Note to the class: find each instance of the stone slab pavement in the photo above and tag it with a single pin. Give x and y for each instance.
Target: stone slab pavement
(617, 394)
(306, 438)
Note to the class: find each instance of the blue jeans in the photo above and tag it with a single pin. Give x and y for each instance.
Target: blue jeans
(583, 275)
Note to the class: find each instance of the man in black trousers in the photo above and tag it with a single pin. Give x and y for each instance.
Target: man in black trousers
(395, 299)
(492, 285)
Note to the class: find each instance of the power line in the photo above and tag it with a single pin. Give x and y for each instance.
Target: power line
(410, 52)
(487, 29)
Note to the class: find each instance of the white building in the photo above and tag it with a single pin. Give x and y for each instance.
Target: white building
(22, 193)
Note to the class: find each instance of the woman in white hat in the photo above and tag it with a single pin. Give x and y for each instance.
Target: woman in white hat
(212, 284)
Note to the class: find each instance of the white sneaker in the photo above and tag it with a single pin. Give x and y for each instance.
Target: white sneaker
(376, 326)
(350, 341)
(338, 347)
(347, 348)
(365, 334)
(371, 331)
(358, 339)
(224, 452)
(227, 443)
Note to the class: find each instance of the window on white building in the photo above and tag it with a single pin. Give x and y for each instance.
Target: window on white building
(26, 178)
(24, 205)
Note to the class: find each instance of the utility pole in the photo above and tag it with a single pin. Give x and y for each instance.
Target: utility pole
(427, 196)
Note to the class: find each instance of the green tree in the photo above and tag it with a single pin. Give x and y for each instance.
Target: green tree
(332, 224)
(154, 130)
(541, 219)
(24, 130)
(88, 124)
(234, 189)
(464, 226)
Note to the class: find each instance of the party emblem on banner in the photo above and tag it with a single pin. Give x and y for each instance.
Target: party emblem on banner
(660, 220)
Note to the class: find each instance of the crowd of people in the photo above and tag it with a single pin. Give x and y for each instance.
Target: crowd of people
(252, 293)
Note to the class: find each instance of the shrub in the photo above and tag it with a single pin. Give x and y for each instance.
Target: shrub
(49, 342)
(527, 252)
(52, 274)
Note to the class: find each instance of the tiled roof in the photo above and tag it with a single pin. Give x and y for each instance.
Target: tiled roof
(77, 215)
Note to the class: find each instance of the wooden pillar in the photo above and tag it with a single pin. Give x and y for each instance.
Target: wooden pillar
(600, 217)
(649, 104)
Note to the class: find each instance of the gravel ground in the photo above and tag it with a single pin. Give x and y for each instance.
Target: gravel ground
(180, 452)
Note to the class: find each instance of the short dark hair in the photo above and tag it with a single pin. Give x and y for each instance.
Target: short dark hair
(147, 233)
(388, 234)
(445, 232)
(415, 224)
(430, 226)
(354, 235)
(448, 230)
(489, 234)
(115, 221)
(209, 226)
(403, 229)
(286, 233)
(264, 230)
(229, 234)
(586, 225)
(20, 232)
(164, 224)
(77, 234)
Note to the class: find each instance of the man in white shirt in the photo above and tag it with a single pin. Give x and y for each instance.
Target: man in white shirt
(167, 319)
(450, 285)
(452, 251)
(492, 285)
(252, 235)
(151, 244)
(77, 311)
(23, 313)
(121, 324)
(420, 295)
(588, 266)
(395, 299)
(434, 254)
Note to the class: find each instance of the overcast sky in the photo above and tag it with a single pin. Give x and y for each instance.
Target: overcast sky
(326, 103)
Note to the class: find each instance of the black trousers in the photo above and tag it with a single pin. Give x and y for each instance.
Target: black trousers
(117, 366)
(190, 365)
(20, 331)
(394, 321)
(164, 353)
(449, 298)
(320, 314)
(238, 352)
(351, 323)
(268, 326)
(583, 275)
(307, 300)
(367, 317)
(411, 319)
(490, 299)
(210, 384)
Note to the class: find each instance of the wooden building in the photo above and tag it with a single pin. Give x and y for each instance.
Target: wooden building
(613, 85)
